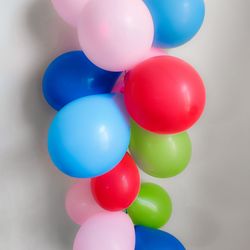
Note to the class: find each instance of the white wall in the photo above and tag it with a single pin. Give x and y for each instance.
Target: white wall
(211, 198)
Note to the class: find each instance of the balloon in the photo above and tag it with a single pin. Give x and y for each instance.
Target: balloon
(117, 189)
(155, 52)
(152, 208)
(119, 85)
(175, 22)
(115, 35)
(69, 10)
(80, 203)
(160, 156)
(164, 95)
(152, 239)
(71, 76)
(89, 136)
(106, 231)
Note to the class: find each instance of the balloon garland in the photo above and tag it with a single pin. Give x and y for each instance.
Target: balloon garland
(109, 121)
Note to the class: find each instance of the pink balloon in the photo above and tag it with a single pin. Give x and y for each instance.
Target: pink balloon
(119, 85)
(154, 52)
(69, 10)
(106, 231)
(79, 202)
(115, 35)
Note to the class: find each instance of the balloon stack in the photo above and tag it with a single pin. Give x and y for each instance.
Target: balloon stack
(122, 102)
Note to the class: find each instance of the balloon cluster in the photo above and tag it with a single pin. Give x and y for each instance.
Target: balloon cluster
(122, 102)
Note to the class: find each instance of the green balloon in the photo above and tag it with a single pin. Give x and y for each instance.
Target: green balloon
(160, 155)
(152, 208)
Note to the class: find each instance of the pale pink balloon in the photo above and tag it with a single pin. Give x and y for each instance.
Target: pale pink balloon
(79, 202)
(119, 85)
(106, 231)
(115, 35)
(69, 10)
(153, 52)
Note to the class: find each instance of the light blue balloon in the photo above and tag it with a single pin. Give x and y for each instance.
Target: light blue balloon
(89, 136)
(175, 21)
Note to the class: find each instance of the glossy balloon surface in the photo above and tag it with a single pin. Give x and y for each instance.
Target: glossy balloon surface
(106, 231)
(120, 83)
(160, 155)
(89, 136)
(164, 95)
(154, 239)
(117, 189)
(175, 21)
(80, 203)
(152, 208)
(71, 76)
(115, 35)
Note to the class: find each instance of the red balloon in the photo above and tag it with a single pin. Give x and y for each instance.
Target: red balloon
(164, 95)
(117, 189)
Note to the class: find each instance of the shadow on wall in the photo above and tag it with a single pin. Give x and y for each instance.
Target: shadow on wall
(52, 37)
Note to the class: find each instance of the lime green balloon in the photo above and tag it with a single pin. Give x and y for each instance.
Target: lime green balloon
(152, 208)
(160, 155)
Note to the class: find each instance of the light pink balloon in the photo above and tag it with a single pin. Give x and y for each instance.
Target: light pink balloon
(119, 85)
(69, 10)
(155, 52)
(115, 35)
(79, 202)
(106, 231)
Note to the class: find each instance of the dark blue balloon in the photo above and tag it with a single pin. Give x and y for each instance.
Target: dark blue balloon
(175, 21)
(72, 76)
(154, 239)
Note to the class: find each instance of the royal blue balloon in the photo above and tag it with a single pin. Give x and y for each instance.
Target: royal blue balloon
(89, 136)
(72, 76)
(175, 21)
(154, 239)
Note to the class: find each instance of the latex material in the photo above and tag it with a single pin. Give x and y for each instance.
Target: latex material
(117, 189)
(69, 10)
(154, 239)
(175, 22)
(164, 95)
(80, 203)
(89, 136)
(72, 76)
(160, 156)
(120, 85)
(155, 52)
(106, 231)
(115, 35)
(152, 208)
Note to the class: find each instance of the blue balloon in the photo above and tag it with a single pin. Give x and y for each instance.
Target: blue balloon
(89, 136)
(175, 21)
(72, 76)
(154, 239)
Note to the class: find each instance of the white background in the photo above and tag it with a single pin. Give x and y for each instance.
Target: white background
(211, 198)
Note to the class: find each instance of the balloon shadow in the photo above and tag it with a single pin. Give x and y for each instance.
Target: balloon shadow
(52, 37)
